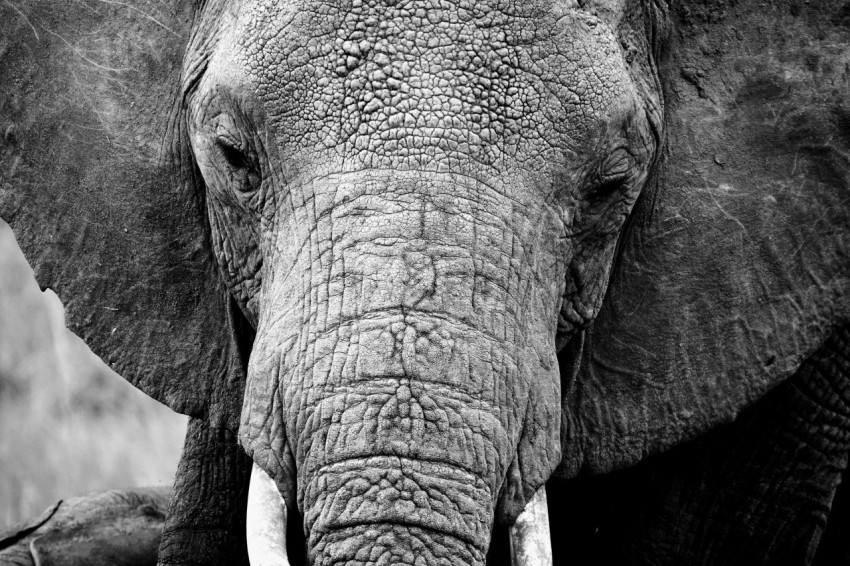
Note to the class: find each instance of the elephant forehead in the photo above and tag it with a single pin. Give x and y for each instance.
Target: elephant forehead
(379, 83)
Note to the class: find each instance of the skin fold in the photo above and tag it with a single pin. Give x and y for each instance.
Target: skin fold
(417, 260)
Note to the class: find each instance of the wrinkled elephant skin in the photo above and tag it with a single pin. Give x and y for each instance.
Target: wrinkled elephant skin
(422, 257)
(412, 208)
(118, 528)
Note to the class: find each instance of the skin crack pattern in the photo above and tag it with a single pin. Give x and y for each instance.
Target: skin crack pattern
(415, 267)
(409, 200)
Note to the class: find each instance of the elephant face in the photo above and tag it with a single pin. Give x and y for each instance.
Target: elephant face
(548, 122)
(413, 207)
(357, 233)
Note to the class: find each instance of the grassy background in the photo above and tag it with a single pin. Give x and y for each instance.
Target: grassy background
(68, 424)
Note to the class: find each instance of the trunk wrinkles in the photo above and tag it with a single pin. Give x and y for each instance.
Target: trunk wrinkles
(398, 353)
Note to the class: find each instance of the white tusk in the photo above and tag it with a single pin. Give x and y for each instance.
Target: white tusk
(531, 544)
(266, 521)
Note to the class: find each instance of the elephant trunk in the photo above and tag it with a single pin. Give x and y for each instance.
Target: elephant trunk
(530, 541)
(403, 389)
(396, 510)
(405, 458)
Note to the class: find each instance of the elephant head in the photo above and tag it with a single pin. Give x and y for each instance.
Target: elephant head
(359, 233)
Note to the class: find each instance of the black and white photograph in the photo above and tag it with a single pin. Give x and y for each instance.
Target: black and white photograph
(424, 282)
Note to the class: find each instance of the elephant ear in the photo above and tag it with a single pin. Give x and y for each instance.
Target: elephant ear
(736, 265)
(99, 187)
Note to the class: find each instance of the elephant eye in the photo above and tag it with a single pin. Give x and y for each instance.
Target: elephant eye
(607, 187)
(231, 153)
(242, 167)
(613, 175)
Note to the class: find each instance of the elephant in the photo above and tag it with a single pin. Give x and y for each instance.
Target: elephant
(412, 265)
(118, 527)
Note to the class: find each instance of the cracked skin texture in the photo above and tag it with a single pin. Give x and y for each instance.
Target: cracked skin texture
(505, 163)
(412, 205)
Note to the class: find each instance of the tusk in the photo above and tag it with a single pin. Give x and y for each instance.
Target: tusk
(531, 544)
(266, 521)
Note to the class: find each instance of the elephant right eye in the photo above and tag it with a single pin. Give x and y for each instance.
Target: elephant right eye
(608, 187)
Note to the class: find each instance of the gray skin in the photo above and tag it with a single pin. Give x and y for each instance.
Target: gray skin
(373, 241)
(118, 527)
(411, 210)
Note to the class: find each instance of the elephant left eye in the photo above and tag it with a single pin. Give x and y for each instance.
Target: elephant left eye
(242, 166)
(234, 156)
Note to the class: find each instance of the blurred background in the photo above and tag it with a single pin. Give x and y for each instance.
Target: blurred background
(68, 424)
